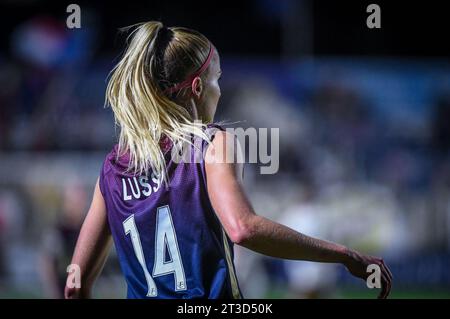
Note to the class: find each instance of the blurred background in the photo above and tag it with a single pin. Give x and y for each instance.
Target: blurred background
(364, 119)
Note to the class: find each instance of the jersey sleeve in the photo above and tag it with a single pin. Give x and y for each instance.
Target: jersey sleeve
(105, 167)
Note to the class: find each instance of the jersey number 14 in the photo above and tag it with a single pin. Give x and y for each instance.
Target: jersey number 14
(165, 240)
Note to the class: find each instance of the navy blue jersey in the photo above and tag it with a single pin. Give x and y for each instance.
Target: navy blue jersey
(169, 241)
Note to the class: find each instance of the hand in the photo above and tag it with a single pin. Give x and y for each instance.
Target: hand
(71, 293)
(357, 266)
(76, 293)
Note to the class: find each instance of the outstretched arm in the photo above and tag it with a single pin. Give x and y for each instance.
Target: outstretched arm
(92, 247)
(267, 237)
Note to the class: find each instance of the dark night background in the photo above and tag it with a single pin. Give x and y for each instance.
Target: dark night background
(256, 27)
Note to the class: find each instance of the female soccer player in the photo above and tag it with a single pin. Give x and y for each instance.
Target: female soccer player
(174, 222)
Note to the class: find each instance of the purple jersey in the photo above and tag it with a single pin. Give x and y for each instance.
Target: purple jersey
(169, 240)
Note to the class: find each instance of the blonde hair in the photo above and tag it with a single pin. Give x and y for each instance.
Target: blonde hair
(156, 59)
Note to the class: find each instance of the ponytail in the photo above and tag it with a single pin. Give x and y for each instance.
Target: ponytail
(142, 110)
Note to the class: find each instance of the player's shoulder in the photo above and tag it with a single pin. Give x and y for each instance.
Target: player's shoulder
(212, 129)
(115, 160)
(225, 148)
(216, 132)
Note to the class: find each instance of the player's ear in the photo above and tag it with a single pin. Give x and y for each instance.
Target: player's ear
(197, 87)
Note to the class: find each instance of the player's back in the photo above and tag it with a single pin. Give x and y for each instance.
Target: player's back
(169, 241)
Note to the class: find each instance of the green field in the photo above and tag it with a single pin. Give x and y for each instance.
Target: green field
(398, 294)
(339, 294)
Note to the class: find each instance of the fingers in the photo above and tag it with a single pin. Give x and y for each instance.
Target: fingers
(387, 269)
(385, 287)
(386, 281)
(385, 274)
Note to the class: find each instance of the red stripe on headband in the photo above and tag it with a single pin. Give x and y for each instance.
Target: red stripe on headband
(188, 82)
